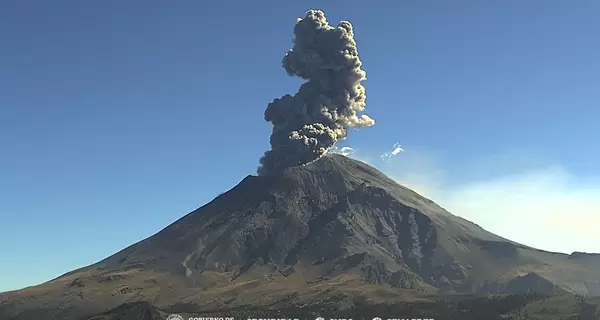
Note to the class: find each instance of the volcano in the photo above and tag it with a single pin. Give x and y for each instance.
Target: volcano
(336, 229)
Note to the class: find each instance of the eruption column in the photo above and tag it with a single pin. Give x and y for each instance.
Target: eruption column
(307, 124)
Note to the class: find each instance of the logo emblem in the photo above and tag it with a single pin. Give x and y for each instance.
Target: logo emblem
(320, 318)
(174, 317)
(377, 318)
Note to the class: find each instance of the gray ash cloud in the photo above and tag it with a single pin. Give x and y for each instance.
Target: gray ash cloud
(307, 124)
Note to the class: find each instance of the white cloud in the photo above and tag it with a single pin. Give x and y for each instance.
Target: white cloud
(386, 156)
(345, 151)
(547, 208)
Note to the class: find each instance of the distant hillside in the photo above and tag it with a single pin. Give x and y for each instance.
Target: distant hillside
(507, 307)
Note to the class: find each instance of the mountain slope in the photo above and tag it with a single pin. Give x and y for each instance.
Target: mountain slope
(335, 228)
(516, 307)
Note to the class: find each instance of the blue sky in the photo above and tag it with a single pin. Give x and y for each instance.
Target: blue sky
(117, 118)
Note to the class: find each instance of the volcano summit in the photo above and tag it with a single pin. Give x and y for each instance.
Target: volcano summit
(336, 228)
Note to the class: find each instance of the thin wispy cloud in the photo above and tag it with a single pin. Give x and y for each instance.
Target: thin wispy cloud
(396, 149)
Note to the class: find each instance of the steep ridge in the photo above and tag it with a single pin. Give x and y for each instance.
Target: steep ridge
(334, 227)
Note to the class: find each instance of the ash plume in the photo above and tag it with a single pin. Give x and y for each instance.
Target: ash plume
(307, 124)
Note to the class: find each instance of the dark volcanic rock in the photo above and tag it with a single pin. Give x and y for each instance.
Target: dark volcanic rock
(499, 248)
(334, 227)
(320, 214)
(530, 282)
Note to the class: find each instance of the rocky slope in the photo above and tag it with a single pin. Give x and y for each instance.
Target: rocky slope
(134, 310)
(335, 227)
(497, 307)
